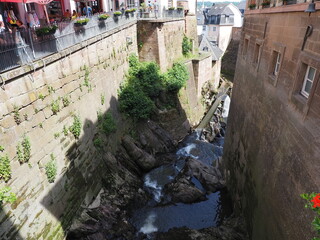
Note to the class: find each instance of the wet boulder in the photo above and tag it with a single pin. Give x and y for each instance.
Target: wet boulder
(210, 177)
(143, 159)
(183, 190)
(155, 139)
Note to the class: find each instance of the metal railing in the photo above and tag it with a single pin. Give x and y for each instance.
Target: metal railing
(23, 46)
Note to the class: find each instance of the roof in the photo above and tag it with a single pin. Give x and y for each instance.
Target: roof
(242, 5)
(215, 51)
(200, 17)
(219, 9)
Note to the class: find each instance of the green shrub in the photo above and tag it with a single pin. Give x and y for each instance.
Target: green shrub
(26, 148)
(108, 124)
(149, 79)
(6, 195)
(1, 148)
(186, 46)
(65, 130)
(102, 99)
(41, 96)
(55, 106)
(66, 101)
(16, 114)
(135, 103)
(5, 168)
(75, 128)
(97, 143)
(176, 77)
(51, 169)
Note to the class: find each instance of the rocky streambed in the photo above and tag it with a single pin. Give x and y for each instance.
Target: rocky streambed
(155, 188)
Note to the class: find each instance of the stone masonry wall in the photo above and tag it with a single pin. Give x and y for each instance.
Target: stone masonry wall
(272, 142)
(43, 210)
(161, 41)
(89, 78)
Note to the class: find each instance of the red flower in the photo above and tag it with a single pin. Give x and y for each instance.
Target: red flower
(316, 201)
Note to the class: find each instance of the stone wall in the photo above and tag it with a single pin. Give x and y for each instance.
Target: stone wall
(87, 77)
(43, 210)
(161, 41)
(272, 143)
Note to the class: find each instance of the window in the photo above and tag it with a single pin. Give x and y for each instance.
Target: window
(277, 58)
(245, 46)
(204, 27)
(256, 55)
(308, 81)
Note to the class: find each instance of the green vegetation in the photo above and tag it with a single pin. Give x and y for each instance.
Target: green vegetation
(24, 150)
(1, 148)
(51, 169)
(41, 96)
(66, 101)
(186, 45)
(56, 135)
(40, 125)
(107, 124)
(65, 130)
(176, 77)
(144, 83)
(7, 196)
(313, 203)
(97, 142)
(5, 168)
(102, 99)
(51, 90)
(55, 106)
(75, 128)
(16, 114)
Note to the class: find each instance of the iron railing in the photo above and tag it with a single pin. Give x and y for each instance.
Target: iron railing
(23, 46)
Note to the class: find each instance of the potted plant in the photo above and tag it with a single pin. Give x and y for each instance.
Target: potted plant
(265, 3)
(48, 30)
(179, 9)
(127, 12)
(116, 15)
(103, 17)
(81, 22)
(252, 6)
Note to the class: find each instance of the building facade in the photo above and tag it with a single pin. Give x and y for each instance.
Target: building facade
(272, 144)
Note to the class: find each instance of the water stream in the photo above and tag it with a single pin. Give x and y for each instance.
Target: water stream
(159, 217)
(155, 217)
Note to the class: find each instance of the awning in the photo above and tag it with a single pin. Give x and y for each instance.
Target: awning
(42, 2)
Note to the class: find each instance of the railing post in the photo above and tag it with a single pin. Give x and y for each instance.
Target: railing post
(31, 43)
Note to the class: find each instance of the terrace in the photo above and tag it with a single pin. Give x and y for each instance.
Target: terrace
(24, 47)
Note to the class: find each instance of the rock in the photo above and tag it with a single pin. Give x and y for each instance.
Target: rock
(183, 190)
(231, 229)
(209, 176)
(144, 160)
(155, 139)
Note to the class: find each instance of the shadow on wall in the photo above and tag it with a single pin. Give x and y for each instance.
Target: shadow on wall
(84, 171)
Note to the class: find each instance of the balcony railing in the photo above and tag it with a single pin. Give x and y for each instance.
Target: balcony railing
(24, 46)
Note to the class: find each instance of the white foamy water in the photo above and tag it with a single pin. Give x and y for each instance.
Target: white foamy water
(153, 185)
(148, 226)
(186, 151)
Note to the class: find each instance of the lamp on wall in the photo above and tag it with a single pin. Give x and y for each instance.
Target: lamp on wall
(311, 8)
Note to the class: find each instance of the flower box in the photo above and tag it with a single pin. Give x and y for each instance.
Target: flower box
(81, 22)
(49, 30)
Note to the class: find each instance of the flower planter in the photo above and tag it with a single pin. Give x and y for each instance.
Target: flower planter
(45, 31)
(80, 24)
